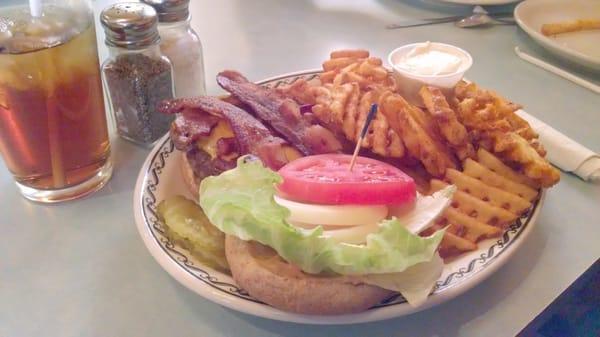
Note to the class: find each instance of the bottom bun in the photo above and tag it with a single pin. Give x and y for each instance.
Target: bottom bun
(267, 277)
(188, 176)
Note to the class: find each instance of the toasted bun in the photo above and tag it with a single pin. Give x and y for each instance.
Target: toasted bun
(264, 275)
(189, 177)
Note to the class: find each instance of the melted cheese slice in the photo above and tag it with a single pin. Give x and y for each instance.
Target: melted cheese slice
(223, 130)
(209, 144)
(291, 153)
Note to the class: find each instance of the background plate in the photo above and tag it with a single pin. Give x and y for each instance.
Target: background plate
(481, 2)
(578, 47)
(160, 178)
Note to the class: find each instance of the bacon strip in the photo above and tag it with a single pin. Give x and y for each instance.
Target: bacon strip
(282, 114)
(251, 136)
(189, 126)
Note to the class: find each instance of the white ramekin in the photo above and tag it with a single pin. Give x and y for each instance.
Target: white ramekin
(410, 83)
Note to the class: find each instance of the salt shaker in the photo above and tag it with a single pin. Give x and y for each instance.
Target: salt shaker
(136, 76)
(181, 44)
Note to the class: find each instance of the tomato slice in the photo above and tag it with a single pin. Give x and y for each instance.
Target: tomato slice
(325, 179)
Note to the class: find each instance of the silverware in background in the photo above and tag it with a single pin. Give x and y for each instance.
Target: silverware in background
(474, 20)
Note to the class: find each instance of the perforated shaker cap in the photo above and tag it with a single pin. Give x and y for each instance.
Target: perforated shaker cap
(130, 25)
(170, 10)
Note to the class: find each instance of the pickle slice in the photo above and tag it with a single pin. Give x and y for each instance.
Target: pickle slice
(188, 227)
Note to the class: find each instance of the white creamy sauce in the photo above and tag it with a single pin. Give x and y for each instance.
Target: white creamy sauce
(426, 59)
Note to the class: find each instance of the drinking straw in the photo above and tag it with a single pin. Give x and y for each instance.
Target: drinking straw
(35, 8)
(56, 158)
(58, 170)
(56, 162)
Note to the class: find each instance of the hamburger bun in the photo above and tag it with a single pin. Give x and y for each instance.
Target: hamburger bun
(260, 271)
(267, 277)
(189, 177)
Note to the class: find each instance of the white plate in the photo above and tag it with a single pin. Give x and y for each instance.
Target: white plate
(579, 47)
(481, 2)
(160, 178)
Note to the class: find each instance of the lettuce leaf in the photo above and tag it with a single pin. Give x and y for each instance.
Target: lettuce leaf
(240, 202)
(415, 283)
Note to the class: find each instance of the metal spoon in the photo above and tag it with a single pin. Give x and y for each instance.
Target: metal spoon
(481, 19)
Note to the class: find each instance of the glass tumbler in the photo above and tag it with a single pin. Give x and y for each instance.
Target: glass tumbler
(53, 131)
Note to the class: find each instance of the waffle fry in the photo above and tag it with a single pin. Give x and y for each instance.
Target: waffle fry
(487, 202)
(381, 139)
(495, 196)
(405, 120)
(327, 76)
(493, 124)
(494, 164)
(351, 83)
(372, 68)
(338, 63)
(350, 112)
(410, 125)
(481, 210)
(356, 66)
(478, 171)
(474, 230)
(518, 150)
(453, 244)
(450, 128)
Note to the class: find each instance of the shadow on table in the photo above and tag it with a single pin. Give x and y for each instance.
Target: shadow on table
(444, 320)
(126, 157)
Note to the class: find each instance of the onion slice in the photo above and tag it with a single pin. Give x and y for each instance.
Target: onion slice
(333, 215)
(416, 219)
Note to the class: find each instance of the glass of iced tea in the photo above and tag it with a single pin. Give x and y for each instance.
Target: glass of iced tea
(53, 132)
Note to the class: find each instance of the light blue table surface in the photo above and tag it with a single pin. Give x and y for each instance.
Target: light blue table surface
(80, 268)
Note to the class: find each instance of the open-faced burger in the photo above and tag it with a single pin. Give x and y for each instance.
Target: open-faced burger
(317, 238)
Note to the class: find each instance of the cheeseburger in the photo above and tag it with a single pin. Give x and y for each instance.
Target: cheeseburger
(303, 232)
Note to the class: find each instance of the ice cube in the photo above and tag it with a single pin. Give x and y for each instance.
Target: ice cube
(5, 34)
(5, 25)
(20, 33)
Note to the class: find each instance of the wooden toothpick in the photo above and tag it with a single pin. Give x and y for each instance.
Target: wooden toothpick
(363, 133)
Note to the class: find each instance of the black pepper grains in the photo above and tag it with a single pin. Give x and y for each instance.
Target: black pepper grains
(136, 83)
(136, 75)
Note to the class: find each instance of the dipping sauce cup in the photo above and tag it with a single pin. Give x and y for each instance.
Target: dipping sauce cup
(428, 63)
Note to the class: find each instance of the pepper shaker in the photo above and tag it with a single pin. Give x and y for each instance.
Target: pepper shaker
(136, 76)
(181, 44)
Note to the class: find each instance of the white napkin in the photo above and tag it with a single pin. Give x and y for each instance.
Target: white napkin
(564, 152)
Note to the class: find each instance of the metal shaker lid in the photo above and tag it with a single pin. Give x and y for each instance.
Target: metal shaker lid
(130, 25)
(170, 10)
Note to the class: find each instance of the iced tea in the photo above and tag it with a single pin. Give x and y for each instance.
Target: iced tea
(53, 132)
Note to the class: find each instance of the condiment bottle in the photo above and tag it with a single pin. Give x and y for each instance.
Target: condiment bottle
(136, 76)
(181, 44)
